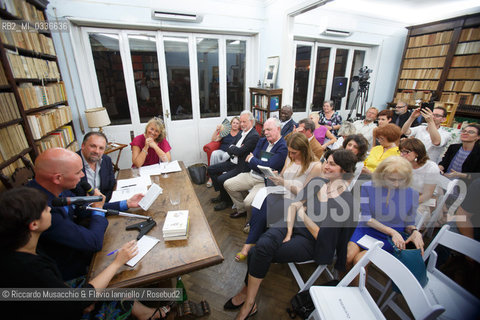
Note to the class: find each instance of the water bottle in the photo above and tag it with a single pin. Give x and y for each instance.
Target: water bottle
(181, 286)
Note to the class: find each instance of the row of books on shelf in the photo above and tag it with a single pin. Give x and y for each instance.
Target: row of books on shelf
(12, 141)
(462, 86)
(421, 74)
(22, 9)
(430, 39)
(29, 40)
(48, 120)
(463, 73)
(463, 98)
(38, 96)
(468, 47)
(433, 51)
(32, 68)
(424, 63)
(261, 101)
(260, 115)
(176, 225)
(8, 106)
(3, 78)
(60, 138)
(466, 61)
(469, 34)
(410, 97)
(418, 84)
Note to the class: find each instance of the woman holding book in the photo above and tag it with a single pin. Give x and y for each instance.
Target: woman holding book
(24, 215)
(300, 167)
(152, 146)
(323, 229)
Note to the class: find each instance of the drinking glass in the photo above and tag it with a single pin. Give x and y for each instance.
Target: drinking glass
(175, 198)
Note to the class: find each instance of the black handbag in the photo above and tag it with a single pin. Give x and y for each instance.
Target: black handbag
(302, 305)
(198, 173)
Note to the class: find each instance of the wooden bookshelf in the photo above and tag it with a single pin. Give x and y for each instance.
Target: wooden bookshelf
(35, 113)
(442, 60)
(263, 104)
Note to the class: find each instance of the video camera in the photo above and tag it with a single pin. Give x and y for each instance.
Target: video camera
(363, 76)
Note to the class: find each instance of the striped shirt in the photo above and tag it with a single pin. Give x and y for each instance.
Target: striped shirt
(458, 160)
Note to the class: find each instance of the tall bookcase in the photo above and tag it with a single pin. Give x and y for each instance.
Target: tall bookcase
(35, 114)
(441, 62)
(263, 103)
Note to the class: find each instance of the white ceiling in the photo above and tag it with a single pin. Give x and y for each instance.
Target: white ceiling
(408, 12)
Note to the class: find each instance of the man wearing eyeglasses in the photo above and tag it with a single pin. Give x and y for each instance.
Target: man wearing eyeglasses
(402, 114)
(433, 135)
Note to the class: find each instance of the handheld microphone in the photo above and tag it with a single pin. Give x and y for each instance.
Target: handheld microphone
(87, 188)
(61, 202)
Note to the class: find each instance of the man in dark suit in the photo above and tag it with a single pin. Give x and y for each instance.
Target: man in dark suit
(97, 167)
(271, 151)
(286, 120)
(241, 147)
(402, 114)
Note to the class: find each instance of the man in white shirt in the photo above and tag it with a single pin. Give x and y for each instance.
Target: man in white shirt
(365, 127)
(271, 151)
(433, 135)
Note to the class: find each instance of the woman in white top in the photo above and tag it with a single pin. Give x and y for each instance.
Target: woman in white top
(425, 173)
(300, 167)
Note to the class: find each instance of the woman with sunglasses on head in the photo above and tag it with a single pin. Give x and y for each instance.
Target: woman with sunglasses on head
(152, 146)
(388, 208)
(463, 159)
(24, 215)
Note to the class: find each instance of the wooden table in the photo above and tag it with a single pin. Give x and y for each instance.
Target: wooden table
(167, 259)
(112, 147)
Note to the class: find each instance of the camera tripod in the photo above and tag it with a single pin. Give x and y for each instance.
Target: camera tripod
(360, 101)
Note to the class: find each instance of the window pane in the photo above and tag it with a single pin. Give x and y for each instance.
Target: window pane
(178, 72)
(302, 69)
(236, 56)
(358, 59)
(111, 80)
(145, 72)
(321, 70)
(208, 80)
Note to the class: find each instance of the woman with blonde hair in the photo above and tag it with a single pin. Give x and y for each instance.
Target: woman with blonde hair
(388, 208)
(300, 167)
(152, 146)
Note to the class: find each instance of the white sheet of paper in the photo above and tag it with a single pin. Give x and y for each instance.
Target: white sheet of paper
(127, 193)
(152, 170)
(145, 244)
(264, 192)
(151, 195)
(167, 167)
(132, 182)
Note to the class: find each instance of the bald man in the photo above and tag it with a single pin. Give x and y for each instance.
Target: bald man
(70, 244)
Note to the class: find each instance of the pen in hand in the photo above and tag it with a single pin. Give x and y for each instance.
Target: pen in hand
(112, 252)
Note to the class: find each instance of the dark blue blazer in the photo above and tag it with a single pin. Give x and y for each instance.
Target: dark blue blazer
(276, 161)
(288, 127)
(107, 178)
(248, 145)
(70, 244)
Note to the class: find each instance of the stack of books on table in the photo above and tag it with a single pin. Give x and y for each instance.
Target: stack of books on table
(176, 225)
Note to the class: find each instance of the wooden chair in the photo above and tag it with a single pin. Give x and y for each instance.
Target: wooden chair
(20, 176)
(343, 302)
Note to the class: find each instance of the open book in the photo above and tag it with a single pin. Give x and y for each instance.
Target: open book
(267, 171)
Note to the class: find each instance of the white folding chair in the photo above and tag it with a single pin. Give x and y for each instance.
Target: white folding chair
(304, 285)
(458, 302)
(356, 175)
(343, 302)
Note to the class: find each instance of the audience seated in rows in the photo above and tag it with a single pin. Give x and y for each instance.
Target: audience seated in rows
(388, 209)
(271, 152)
(365, 127)
(321, 133)
(388, 136)
(433, 135)
(24, 216)
(221, 154)
(152, 146)
(241, 147)
(287, 123)
(330, 118)
(462, 159)
(97, 167)
(69, 243)
(315, 237)
(300, 167)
